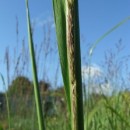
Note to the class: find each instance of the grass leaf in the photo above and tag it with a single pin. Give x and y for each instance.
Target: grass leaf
(106, 34)
(34, 70)
(60, 23)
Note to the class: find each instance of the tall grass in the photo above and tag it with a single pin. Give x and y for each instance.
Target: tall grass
(88, 116)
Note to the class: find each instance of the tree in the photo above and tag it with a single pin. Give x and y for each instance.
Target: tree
(21, 86)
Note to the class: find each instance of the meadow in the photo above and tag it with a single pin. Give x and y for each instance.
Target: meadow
(37, 102)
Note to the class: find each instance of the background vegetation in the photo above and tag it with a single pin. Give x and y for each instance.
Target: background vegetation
(105, 111)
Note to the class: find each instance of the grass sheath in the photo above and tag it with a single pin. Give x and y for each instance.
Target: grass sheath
(34, 70)
(74, 62)
(70, 54)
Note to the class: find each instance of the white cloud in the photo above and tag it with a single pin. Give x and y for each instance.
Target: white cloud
(43, 20)
(99, 87)
(104, 88)
(92, 71)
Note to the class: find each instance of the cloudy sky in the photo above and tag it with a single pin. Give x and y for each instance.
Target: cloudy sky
(96, 17)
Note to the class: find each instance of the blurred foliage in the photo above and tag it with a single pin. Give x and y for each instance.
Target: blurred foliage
(20, 86)
(113, 112)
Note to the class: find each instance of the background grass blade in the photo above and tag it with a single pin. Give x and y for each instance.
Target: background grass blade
(118, 115)
(106, 34)
(34, 70)
(89, 116)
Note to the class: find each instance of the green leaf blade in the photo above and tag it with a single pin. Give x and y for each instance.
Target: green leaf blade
(60, 23)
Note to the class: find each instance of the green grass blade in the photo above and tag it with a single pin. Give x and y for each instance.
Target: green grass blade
(89, 116)
(60, 23)
(118, 115)
(106, 34)
(34, 70)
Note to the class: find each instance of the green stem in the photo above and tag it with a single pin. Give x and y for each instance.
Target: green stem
(34, 70)
(74, 62)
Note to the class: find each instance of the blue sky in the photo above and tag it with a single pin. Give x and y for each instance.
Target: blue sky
(96, 17)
